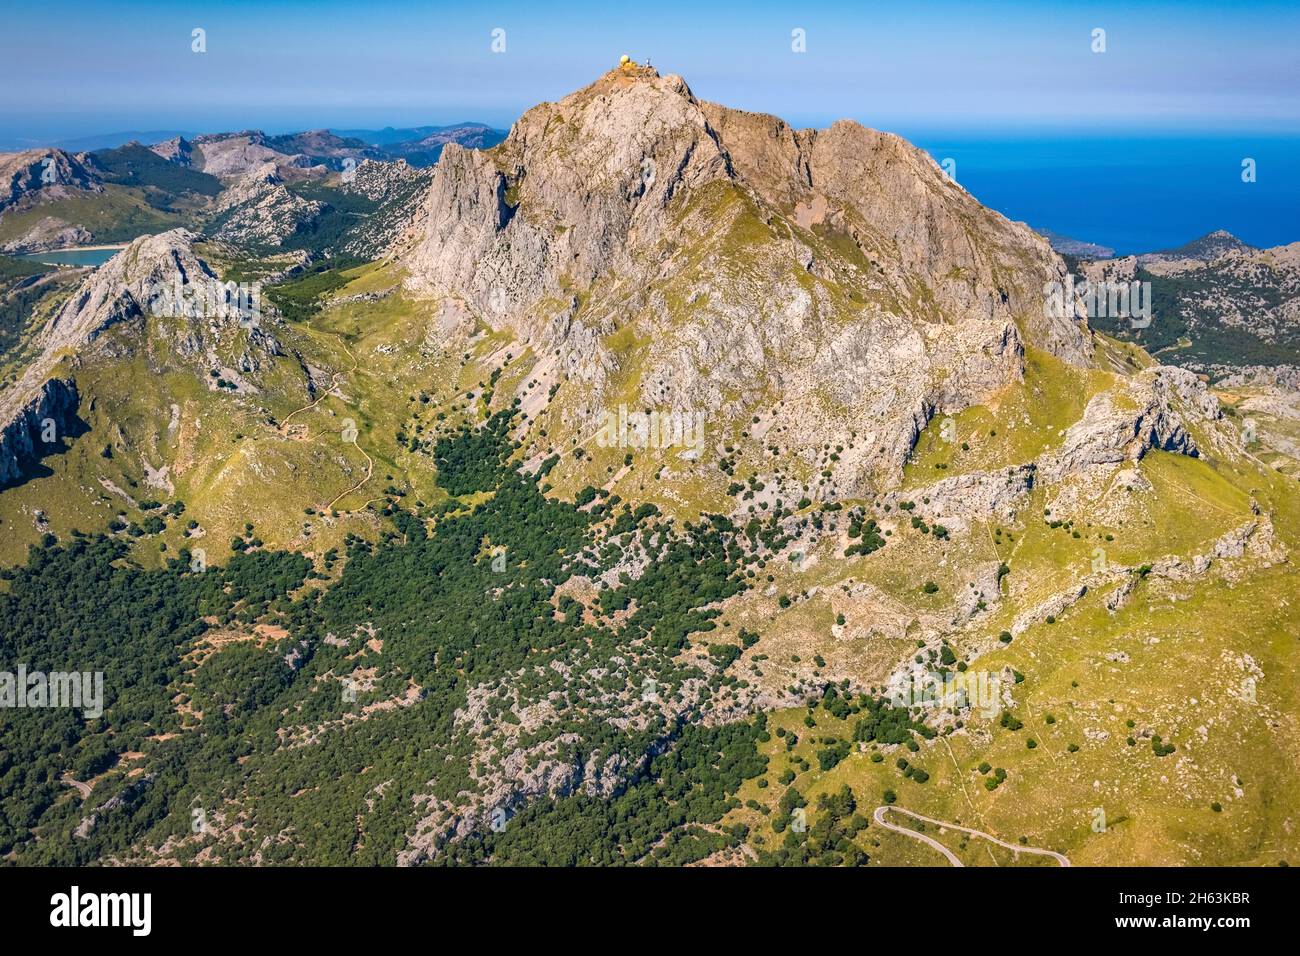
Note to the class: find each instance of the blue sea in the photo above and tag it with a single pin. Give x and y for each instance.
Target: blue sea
(1133, 194)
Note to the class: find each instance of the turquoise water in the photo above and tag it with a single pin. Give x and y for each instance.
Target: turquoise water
(72, 257)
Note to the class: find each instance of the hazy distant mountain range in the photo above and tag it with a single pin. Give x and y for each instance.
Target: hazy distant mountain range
(418, 145)
(295, 190)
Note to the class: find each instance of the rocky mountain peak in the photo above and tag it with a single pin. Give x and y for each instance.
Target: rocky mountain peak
(125, 288)
(121, 290)
(176, 150)
(745, 253)
(44, 174)
(1205, 249)
(230, 155)
(580, 185)
(593, 176)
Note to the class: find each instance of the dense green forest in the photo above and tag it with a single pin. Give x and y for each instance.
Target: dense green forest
(227, 689)
(1183, 311)
(162, 181)
(17, 300)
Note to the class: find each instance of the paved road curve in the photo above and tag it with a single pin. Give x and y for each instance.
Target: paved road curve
(879, 817)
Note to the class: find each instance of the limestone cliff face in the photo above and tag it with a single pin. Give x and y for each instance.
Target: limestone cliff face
(259, 209)
(825, 282)
(155, 277)
(176, 150)
(47, 414)
(42, 175)
(122, 289)
(906, 215)
(1120, 427)
(594, 175)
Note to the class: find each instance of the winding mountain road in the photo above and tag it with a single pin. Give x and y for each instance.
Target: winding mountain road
(80, 787)
(333, 390)
(879, 817)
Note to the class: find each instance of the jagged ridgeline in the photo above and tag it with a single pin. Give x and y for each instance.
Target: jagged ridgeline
(597, 497)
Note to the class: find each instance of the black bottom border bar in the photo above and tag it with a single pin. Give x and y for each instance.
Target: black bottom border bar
(367, 905)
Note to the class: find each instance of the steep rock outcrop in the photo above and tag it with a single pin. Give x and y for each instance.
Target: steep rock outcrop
(45, 417)
(1122, 426)
(40, 175)
(176, 150)
(839, 271)
(123, 288)
(158, 276)
(901, 209)
(593, 175)
(595, 171)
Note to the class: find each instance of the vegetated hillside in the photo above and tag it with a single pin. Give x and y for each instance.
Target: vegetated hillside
(395, 597)
(21, 288)
(164, 182)
(1219, 305)
(59, 200)
(313, 192)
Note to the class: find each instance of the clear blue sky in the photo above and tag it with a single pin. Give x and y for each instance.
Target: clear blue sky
(74, 68)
